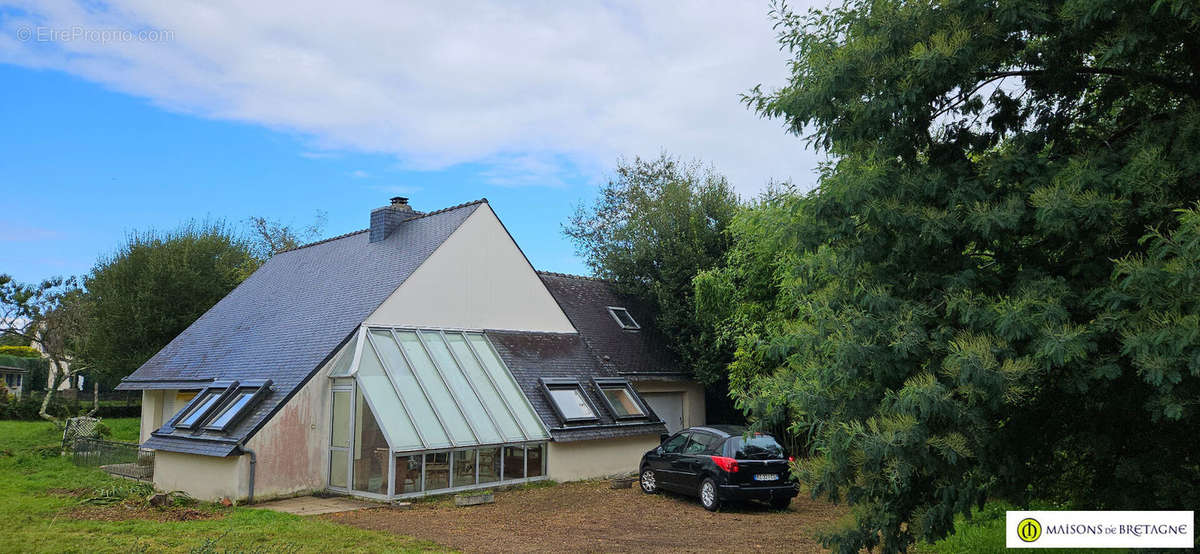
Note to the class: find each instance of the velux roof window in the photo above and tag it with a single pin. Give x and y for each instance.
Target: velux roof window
(569, 400)
(622, 402)
(221, 405)
(623, 318)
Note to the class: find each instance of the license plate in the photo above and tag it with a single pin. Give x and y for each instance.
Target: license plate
(766, 477)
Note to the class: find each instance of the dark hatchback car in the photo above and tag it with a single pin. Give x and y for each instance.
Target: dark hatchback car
(720, 463)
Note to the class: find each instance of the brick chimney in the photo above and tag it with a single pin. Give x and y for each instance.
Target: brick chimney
(386, 219)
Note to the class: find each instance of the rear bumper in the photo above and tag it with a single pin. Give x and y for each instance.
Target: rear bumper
(738, 492)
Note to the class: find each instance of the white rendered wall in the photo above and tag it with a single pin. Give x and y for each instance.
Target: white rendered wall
(578, 460)
(477, 279)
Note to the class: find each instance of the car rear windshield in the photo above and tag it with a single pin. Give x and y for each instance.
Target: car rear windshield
(756, 447)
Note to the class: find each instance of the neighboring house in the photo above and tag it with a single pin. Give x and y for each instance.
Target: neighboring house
(14, 380)
(419, 356)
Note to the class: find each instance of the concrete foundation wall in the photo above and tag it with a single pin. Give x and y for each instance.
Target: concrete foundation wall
(573, 461)
(693, 397)
(203, 477)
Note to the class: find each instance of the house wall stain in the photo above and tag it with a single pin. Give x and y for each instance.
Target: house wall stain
(291, 447)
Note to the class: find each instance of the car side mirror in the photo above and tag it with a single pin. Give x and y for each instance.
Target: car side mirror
(663, 438)
(658, 450)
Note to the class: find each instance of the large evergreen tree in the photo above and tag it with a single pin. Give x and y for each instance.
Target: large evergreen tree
(988, 293)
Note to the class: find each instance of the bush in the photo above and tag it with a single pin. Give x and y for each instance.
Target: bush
(19, 352)
(27, 407)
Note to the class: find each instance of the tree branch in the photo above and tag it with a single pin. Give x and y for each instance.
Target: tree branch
(1188, 88)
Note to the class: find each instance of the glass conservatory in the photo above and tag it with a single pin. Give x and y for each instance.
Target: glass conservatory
(420, 411)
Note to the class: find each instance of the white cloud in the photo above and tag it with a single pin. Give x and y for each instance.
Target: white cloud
(359, 174)
(527, 90)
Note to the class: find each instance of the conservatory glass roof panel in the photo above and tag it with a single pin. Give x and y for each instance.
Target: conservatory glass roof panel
(381, 396)
(507, 385)
(462, 388)
(505, 421)
(433, 389)
(419, 408)
(435, 386)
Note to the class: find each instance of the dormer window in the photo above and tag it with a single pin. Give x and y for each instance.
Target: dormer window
(569, 400)
(621, 315)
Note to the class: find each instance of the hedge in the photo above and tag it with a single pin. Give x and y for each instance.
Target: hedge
(20, 352)
(26, 408)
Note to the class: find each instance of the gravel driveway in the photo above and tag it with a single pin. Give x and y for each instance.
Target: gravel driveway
(591, 517)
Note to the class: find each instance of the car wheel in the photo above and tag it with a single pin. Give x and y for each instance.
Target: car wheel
(649, 481)
(780, 503)
(708, 495)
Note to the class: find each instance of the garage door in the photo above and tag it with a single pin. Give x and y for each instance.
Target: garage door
(668, 406)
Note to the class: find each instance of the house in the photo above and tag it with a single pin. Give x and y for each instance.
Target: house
(421, 355)
(14, 380)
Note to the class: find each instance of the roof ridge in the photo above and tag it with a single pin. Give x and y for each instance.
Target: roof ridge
(423, 215)
(573, 276)
(323, 241)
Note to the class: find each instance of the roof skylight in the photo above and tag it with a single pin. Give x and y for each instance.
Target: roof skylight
(569, 400)
(624, 319)
(622, 401)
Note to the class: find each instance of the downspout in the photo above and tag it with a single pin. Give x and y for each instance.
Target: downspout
(253, 462)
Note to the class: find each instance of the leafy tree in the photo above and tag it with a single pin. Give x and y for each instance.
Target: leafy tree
(965, 307)
(269, 237)
(153, 287)
(49, 315)
(654, 227)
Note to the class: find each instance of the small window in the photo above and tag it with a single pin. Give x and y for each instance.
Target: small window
(674, 445)
(622, 401)
(195, 411)
(235, 406)
(623, 318)
(701, 443)
(569, 400)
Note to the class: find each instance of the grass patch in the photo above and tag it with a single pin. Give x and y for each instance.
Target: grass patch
(984, 534)
(50, 505)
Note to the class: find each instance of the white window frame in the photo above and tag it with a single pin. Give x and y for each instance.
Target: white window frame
(612, 311)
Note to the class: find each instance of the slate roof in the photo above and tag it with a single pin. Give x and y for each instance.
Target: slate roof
(531, 356)
(287, 319)
(631, 353)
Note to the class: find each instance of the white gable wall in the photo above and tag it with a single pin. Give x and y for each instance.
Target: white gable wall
(477, 279)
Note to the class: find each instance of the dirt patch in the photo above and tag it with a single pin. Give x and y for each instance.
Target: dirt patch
(125, 512)
(592, 517)
(79, 491)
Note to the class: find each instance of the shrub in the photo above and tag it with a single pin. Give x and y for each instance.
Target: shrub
(20, 352)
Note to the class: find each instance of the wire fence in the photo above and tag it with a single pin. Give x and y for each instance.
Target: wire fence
(124, 459)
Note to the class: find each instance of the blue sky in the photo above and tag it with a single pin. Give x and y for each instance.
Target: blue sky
(82, 166)
(126, 115)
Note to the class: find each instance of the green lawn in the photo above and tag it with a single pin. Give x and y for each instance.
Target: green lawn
(37, 510)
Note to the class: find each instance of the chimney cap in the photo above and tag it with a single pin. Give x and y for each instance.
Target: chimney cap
(401, 200)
